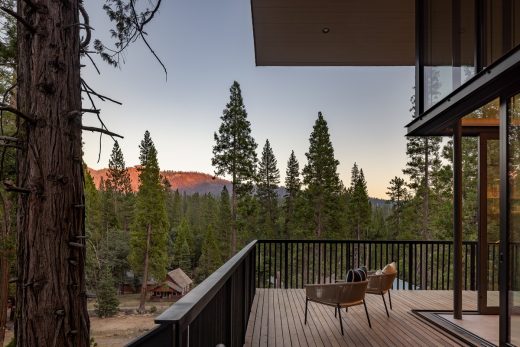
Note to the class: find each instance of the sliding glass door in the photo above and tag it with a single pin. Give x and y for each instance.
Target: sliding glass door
(510, 293)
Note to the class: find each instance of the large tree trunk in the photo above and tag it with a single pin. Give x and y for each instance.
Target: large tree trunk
(4, 282)
(233, 219)
(51, 300)
(4, 265)
(142, 299)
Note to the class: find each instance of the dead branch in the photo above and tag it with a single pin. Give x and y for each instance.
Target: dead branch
(139, 27)
(86, 26)
(19, 18)
(102, 131)
(87, 89)
(92, 61)
(4, 107)
(9, 138)
(88, 110)
(10, 187)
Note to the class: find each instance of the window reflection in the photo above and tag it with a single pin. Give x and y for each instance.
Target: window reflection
(514, 215)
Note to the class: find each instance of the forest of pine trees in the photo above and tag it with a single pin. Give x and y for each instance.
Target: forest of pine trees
(151, 231)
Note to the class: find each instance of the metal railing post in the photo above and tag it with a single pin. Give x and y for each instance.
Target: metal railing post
(410, 266)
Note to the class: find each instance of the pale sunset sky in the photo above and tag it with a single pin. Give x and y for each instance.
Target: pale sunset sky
(206, 45)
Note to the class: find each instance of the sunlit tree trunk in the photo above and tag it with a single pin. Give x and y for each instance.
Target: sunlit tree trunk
(144, 285)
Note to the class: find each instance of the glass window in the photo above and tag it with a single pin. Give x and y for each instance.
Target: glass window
(514, 217)
(449, 47)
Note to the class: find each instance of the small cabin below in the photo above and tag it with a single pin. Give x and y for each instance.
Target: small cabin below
(175, 285)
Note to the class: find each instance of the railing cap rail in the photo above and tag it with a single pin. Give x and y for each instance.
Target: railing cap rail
(364, 241)
(184, 311)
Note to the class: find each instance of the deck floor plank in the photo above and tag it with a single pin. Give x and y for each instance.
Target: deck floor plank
(277, 319)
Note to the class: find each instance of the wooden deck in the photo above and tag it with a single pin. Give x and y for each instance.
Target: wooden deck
(277, 319)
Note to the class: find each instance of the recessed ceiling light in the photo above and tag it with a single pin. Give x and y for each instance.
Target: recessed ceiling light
(325, 30)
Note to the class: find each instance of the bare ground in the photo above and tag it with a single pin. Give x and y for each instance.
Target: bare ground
(121, 329)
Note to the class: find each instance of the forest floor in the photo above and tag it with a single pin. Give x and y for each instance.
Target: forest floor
(120, 329)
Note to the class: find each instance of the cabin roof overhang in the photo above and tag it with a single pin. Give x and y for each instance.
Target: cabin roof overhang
(498, 79)
(334, 33)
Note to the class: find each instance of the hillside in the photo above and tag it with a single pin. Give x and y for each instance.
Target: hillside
(188, 182)
(196, 182)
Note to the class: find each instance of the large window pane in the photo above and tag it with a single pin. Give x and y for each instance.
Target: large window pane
(514, 216)
(449, 46)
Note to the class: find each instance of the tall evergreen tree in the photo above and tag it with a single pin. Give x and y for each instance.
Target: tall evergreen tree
(107, 302)
(358, 204)
(268, 181)
(53, 219)
(210, 257)
(224, 223)
(322, 180)
(292, 186)
(424, 162)
(119, 185)
(181, 247)
(398, 194)
(234, 153)
(149, 234)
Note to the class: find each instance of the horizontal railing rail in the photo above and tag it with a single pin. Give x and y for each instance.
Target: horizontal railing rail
(214, 312)
(420, 264)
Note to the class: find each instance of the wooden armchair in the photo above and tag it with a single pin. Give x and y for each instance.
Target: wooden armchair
(338, 295)
(382, 284)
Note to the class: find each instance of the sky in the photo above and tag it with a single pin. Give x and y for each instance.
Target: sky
(206, 45)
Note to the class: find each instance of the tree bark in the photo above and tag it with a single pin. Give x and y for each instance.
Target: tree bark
(233, 218)
(142, 299)
(4, 265)
(4, 283)
(51, 301)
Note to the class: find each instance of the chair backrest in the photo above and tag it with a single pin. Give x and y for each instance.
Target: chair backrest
(387, 280)
(352, 292)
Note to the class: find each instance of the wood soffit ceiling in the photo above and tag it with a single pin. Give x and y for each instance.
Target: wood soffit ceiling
(360, 33)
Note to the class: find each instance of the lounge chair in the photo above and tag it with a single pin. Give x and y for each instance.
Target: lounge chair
(381, 284)
(338, 295)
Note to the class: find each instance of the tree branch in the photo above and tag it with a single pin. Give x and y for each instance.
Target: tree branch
(18, 18)
(10, 187)
(102, 131)
(4, 107)
(9, 138)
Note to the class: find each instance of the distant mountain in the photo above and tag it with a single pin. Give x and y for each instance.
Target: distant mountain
(191, 182)
(186, 182)
(379, 202)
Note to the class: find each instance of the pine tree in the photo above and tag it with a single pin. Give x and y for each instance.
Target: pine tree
(181, 248)
(119, 185)
(224, 223)
(234, 153)
(322, 180)
(423, 163)
(358, 204)
(149, 236)
(268, 181)
(399, 196)
(292, 186)
(106, 296)
(210, 257)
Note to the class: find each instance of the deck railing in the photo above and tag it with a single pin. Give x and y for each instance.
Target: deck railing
(217, 310)
(420, 264)
(214, 312)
